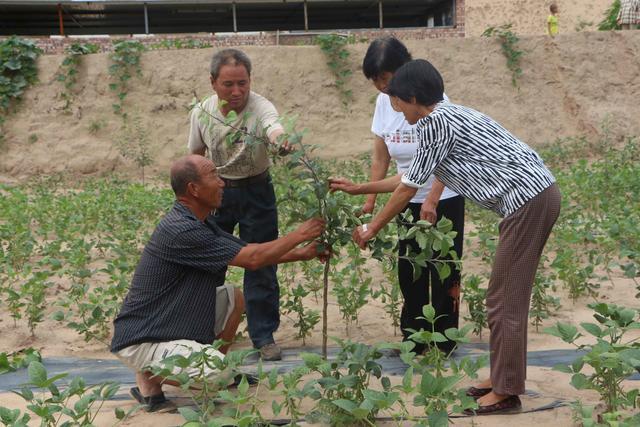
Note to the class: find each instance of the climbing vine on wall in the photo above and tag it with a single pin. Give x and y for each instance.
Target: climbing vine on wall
(125, 60)
(17, 71)
(333, 46)
(509, 42)
(68, 72)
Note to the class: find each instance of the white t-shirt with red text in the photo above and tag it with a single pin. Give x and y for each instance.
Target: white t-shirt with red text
(402, 142)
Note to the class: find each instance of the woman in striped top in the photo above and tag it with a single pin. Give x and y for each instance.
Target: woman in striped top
(480, 160)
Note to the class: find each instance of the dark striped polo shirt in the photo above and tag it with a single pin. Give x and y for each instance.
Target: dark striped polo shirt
(477, 158)
(173, 292)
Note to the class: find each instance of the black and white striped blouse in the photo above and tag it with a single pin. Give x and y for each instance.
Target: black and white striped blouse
(477, 158)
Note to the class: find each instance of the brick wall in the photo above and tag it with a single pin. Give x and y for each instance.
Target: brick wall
(57, 44)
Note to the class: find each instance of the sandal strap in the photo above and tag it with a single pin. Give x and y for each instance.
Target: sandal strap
(156, 398)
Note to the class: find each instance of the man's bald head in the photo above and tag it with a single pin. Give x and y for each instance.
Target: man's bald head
(183, 171)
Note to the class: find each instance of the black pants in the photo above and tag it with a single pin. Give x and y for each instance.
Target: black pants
(445, 295)
(254, 208)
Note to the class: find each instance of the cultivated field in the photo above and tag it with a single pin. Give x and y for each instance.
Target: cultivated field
(75, 213)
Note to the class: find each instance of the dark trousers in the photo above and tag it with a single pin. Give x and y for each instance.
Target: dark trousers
(445, 295)
(253, 208)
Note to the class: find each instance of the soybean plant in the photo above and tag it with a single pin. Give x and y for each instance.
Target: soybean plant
(305, 319)
(74, 405)
(351, 286)
(18, 359)
(574, 274)
(587, 416)
(292, 295)
(437, 389)
(475, 296)
(486, 233)
(12, 297)
(389, 292)
(610, 360)
(292, 392)
(191, 372)
(342, 393)
(542, 304)
(33, 291)
(435, 245)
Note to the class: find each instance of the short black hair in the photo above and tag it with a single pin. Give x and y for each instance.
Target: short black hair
(385, 54)
(183, 172)
(417, 79)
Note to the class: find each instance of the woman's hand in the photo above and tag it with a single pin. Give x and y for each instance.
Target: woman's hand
(428, 211)
(362, 234)
(343, 184)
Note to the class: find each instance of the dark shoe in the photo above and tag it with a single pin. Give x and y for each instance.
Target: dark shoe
(476, 392)
(270, 352)
(393, 352)
(251, 379)
(506, 406)
(155, 403)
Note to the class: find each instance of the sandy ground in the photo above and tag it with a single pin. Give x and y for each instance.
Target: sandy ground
(569, 86)
(543, 385)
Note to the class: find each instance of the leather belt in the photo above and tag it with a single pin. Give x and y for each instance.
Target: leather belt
(243, 182)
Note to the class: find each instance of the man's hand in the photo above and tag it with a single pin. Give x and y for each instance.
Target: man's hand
(362, 234)
(310, 229)
(280, 143)
(285, 148)
(343, 184)
(324, 252)
(428, 211)
(313, 250)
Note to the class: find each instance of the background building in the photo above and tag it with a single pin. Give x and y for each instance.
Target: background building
(51, 17)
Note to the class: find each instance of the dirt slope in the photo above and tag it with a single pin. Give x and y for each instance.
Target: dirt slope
(569, 86)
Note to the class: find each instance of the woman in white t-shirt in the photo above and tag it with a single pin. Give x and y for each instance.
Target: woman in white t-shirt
(396, 139)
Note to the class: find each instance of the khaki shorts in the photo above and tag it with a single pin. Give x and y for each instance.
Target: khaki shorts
(140, 356)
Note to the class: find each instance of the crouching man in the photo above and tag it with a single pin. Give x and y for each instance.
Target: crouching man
(178, 302)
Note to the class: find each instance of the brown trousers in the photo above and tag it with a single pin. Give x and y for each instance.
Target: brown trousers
(523, 235)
